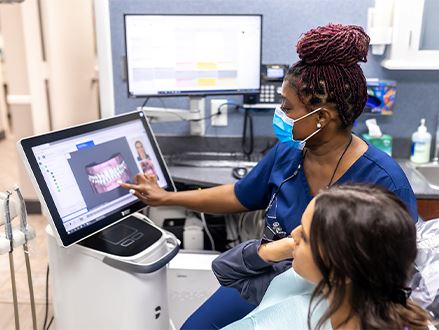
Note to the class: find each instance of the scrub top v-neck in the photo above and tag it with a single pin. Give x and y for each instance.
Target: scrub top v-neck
(256, 189)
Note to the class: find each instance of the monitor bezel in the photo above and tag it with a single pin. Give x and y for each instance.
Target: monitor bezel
(195, 93)
(25, 146)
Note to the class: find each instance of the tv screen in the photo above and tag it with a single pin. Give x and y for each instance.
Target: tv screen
(173, 55)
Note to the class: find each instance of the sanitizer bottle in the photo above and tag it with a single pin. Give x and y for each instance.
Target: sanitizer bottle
(421, 144)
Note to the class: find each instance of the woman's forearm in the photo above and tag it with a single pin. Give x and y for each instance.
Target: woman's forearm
(277, 250)
(217, 200)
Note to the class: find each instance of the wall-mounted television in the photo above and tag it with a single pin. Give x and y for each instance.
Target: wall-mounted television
(184, 55)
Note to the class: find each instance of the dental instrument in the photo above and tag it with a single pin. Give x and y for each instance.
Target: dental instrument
(29, 234)
(9, 237)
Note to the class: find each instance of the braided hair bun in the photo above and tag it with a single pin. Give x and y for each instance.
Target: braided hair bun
(328, 71)
(334, 44)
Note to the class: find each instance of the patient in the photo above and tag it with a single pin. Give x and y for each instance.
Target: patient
(353, 256)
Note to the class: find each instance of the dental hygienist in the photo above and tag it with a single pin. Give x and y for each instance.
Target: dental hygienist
(323, 93)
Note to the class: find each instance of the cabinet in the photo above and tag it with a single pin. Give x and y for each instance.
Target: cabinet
(428, 208)
(415, 38)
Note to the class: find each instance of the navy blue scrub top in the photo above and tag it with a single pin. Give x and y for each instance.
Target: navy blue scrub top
(256, 188)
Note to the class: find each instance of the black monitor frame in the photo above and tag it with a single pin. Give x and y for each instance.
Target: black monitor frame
(190, 93)
(25, 149)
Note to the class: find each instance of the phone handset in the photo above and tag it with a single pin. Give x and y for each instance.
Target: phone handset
(272, 76)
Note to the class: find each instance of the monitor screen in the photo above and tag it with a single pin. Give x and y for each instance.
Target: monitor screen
(77, 171)
(193, 54)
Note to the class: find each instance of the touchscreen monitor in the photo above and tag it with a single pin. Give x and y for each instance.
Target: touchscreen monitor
(76, 172)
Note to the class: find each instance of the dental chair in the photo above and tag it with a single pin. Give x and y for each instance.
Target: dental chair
(425, 281)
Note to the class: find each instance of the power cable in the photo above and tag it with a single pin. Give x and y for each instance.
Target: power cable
(198, 119)
(248, 122)
(144, 102)
(47, 298)
(203, 220)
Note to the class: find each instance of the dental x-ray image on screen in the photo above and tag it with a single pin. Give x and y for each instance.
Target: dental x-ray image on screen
(97, 168)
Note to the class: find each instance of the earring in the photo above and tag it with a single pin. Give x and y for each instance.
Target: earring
(319, 125)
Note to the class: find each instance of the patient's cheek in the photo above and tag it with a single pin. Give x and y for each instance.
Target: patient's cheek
(307, 269)
(298, 269)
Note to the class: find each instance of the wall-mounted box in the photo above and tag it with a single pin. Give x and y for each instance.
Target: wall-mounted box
(381, 96)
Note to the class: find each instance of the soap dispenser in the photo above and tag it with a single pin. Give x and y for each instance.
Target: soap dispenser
(421, 145)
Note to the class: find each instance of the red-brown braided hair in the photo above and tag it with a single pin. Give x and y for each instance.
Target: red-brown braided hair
(328, 69)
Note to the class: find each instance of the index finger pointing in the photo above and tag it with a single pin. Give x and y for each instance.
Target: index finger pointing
(127, 185)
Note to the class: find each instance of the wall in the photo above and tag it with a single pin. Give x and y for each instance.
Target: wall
(14, 53)
(71, 60)
(17, 77)
(50, 61)
(283, 23)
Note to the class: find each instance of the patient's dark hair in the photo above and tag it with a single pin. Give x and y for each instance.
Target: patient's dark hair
(363, 241)
(328, 70)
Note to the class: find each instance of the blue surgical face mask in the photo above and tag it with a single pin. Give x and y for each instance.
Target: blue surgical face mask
(283, 128)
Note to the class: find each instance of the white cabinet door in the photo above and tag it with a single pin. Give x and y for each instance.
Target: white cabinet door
(415, 42)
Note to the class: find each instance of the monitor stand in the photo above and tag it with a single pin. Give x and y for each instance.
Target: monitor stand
(195, 114)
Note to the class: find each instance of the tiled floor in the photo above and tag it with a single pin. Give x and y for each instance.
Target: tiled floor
(38, 257)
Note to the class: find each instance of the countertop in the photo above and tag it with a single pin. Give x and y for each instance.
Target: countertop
(212, 176)
(204, 176)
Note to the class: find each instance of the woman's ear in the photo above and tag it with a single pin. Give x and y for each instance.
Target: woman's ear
(325, 115)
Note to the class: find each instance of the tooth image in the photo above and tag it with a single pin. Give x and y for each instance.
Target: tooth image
(103, 177)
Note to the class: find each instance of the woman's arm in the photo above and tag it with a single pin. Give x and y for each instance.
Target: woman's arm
(253, 191)
(217, 200)
(250, 267)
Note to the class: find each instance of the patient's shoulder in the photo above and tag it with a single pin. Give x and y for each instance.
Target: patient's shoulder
(285, 286)
(284, 306)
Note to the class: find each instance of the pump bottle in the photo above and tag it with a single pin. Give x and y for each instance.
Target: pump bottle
(421, 145)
